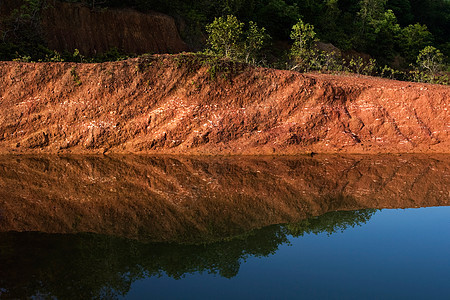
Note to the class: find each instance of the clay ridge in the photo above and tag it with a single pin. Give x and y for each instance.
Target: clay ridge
(184, 104)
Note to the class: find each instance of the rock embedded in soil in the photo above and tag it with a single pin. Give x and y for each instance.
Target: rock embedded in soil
(176, 104)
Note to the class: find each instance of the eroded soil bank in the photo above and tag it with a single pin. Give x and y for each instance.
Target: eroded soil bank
(185, 105)
(195, 200)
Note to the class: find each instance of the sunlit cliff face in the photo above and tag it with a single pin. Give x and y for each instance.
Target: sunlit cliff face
(171, 104)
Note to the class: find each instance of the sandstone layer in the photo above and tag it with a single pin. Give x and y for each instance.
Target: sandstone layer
(186, 104)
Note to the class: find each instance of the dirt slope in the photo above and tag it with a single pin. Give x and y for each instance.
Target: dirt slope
(170, 104)
(200, 199)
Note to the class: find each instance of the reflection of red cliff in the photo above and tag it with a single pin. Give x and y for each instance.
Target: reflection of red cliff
(200, 199)
(170, 104)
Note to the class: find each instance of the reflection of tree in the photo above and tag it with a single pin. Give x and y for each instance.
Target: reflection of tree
(86, 266)
(331, 222)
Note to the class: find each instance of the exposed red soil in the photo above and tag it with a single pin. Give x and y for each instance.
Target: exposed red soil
(170, 104)
(202, 199)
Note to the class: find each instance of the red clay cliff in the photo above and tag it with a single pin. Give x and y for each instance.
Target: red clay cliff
(181, 105)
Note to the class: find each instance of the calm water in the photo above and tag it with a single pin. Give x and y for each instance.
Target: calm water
(397, 254)
(191, 228)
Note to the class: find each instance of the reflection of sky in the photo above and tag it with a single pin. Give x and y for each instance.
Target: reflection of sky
(398, 254)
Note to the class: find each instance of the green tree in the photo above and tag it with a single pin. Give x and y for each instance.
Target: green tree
(21, 34)
(302, 50)
(329, 20)
(413, 38)
(277, 16)
(430, 60)
(402, 9)
(227, 39)
(24, 19)
(370, 10)
(234, 6)
(386, 32)
(430, 63)
(224, 35)
(436, 15)
(255, 39)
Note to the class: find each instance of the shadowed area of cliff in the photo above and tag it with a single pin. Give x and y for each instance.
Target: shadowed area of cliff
(198, 200)
(69, 26)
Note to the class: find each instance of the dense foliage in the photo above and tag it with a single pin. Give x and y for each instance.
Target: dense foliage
(393, 32)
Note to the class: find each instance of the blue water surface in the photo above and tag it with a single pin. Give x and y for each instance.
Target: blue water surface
(397, 254)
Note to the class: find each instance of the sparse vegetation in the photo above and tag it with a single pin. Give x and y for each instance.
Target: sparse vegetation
(218, 67)
(430, 66)
(75, 76)
(303, 50)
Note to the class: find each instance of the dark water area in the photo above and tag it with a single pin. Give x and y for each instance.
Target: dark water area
(134, 227)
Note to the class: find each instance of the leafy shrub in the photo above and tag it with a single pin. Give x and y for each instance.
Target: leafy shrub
(227, 38)
(302, 50)
(224, 36)
(75, 76)
(430, 66)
